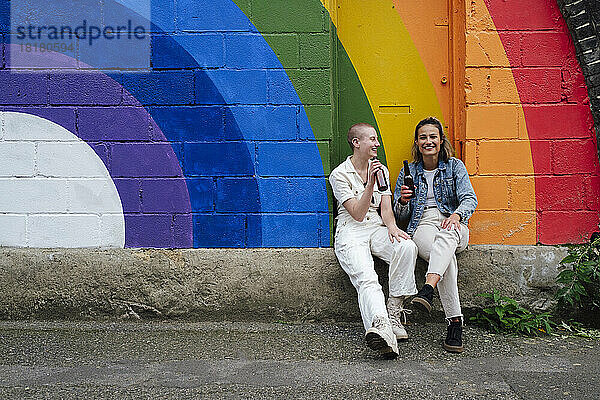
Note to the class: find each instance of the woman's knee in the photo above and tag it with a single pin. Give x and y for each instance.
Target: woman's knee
(447, 237)
(405, 246)
(412, 246)
(424, 249)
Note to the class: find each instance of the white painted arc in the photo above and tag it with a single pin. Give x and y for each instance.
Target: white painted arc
(54, 189)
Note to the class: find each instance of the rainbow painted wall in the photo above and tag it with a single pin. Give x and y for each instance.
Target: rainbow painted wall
(228, 138)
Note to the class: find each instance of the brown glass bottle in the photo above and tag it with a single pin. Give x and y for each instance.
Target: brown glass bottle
(382, 184)
(408, 179)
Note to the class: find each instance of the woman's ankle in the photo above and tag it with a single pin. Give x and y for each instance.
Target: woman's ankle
(432, 279)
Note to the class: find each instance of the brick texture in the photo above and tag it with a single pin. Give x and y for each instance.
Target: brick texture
(587, 47)
(218, 144)
(219, 66)
(492, 192)
(527, 100)
(503, 227)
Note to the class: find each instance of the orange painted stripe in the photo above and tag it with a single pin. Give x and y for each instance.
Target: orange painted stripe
(428, 28)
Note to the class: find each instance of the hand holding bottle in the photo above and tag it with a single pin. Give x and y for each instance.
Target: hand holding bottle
(405, 194)
(377, 171)
(373, 167)
(407, 190)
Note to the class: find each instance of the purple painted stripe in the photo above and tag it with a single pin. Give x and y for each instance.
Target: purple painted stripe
(149, 230)
(181, 231)
(67, 88)
(174, 227)
(114, 124)
(23, 88)
(160, 195)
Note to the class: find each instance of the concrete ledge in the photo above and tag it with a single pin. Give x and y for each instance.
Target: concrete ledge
(238, 284)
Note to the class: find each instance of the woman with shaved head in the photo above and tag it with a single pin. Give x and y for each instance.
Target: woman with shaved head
(362, 232)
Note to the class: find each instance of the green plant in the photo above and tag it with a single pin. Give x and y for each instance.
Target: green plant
(506, 315)
(580, 280)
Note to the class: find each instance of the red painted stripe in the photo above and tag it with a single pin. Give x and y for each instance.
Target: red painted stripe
(555, 102)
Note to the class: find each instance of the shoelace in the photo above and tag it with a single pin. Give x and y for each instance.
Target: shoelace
(379, 322)
(401, 312)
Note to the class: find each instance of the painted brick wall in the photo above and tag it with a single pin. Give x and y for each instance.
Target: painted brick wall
(299, 33)
(227, 140)
(583, 20)
(51, 181)
(224, 142)
(526, 100)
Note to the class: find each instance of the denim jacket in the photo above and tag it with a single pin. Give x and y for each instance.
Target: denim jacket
(451, 187)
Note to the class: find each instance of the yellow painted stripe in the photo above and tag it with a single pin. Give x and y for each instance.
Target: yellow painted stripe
(390, 69)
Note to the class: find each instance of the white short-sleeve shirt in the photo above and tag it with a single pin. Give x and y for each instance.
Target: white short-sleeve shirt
(347, 184)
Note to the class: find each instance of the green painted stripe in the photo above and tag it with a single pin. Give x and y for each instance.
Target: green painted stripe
(295, 31)
(301, 35)
(351, 102)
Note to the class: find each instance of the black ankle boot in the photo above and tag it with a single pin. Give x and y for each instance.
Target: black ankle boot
(453, 342)
(424, 299)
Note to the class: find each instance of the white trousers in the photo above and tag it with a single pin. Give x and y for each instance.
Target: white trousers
(354, 245)
(438, 246)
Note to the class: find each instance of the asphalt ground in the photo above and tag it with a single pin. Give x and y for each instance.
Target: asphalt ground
(233, 360)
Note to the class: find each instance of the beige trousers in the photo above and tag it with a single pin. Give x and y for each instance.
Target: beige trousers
(438, 246)
(355, 245)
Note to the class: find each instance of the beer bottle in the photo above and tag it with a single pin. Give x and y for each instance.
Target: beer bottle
(408, 179)
(382, 184)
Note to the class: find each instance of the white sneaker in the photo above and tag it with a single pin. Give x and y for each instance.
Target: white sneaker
(397, 314)
(381, 338)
